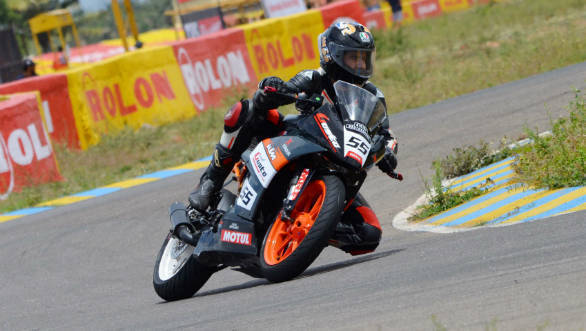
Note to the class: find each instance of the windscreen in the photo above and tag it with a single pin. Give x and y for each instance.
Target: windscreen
(360, 104)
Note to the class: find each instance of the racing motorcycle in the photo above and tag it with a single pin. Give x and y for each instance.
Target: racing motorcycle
(292, 191)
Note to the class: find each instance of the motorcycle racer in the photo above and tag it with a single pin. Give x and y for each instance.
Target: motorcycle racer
(346, 53)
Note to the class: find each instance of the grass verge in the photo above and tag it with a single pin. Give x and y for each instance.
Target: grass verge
(417, 65)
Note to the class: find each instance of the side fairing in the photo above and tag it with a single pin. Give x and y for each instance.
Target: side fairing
(263, 163)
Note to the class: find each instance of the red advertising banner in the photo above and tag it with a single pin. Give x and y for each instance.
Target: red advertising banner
(213, 66)
(55, 102)
(342, 10)
(26, 155)
(426, 8)
(375, 19)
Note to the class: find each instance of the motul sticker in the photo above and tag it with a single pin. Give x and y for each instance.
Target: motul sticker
(235, 237)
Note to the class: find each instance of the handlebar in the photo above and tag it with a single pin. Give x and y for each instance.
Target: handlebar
(315, 100)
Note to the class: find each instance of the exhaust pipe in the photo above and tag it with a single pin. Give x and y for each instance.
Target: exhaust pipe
(180, 224)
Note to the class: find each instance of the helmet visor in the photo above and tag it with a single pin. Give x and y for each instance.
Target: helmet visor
(357, 61)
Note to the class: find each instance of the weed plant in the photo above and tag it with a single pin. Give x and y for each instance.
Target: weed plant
(439, 199)
(558, 160)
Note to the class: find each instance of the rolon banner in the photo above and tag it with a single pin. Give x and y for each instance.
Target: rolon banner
(215, 66)
(55, 105)
(144, 87)
(26, 155)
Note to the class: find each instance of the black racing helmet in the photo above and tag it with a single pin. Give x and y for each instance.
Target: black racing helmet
(347, 52)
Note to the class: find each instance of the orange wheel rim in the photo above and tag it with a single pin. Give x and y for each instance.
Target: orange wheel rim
(286, 236)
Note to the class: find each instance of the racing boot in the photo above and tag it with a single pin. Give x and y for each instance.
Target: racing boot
(213, 178)
(355, 239)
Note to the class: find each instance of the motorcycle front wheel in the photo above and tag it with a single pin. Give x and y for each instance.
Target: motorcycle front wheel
(290, 246)
(178, 275)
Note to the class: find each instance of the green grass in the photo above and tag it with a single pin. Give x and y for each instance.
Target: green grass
(419, 64)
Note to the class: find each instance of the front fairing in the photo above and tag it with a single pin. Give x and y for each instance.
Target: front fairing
(346, 129)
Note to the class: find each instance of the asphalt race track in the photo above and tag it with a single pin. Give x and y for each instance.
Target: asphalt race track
(89, 265)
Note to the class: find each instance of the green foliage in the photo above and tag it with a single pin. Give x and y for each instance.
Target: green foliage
(558, 160)
(7, 15)
(467, 159)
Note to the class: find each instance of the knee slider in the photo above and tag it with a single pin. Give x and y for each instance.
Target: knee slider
(237, 115)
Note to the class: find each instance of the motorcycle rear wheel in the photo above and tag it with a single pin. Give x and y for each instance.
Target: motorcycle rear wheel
(289, 247)
(178, 275)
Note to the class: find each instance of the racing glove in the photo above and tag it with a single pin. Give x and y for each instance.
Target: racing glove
(389, 162)
(265, 100)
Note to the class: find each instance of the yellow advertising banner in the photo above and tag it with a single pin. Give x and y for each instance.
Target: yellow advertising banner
(284, 46)
(131, 90)
(453, 5)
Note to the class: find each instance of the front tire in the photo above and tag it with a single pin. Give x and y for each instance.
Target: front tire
(178, 275)
(289, 247)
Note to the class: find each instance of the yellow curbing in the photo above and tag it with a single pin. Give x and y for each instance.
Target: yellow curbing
(506, 210)
(550, 205)
(8, 218)
(467, 177)
(480, 180)
(476, 207)
(131, 182)
(63, 201)
(192, 165)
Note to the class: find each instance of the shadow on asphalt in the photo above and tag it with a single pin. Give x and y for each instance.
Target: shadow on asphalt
(308, 273)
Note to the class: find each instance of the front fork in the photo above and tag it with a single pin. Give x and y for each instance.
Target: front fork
(298, 183)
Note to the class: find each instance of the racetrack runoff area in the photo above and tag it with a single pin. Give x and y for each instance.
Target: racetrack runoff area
(505, 203)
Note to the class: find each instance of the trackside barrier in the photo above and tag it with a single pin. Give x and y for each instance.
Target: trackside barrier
(26, 155)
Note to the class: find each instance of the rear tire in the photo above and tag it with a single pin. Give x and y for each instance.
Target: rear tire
(178, 275)
(289, 247)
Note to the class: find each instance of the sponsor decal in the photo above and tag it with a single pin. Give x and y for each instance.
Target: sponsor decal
(271, 151)
(110, 100)
(325, 53)
(278, 160)
(235, 237)
(213, 73)
(346, 28)
(364, 37)
(297, 188)
(234, 226)
(247, 196)
(357, 127)
(258, 165)
(262, 166)
(322, 121)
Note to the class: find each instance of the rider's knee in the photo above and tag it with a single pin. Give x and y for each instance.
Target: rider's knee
(237, 115)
